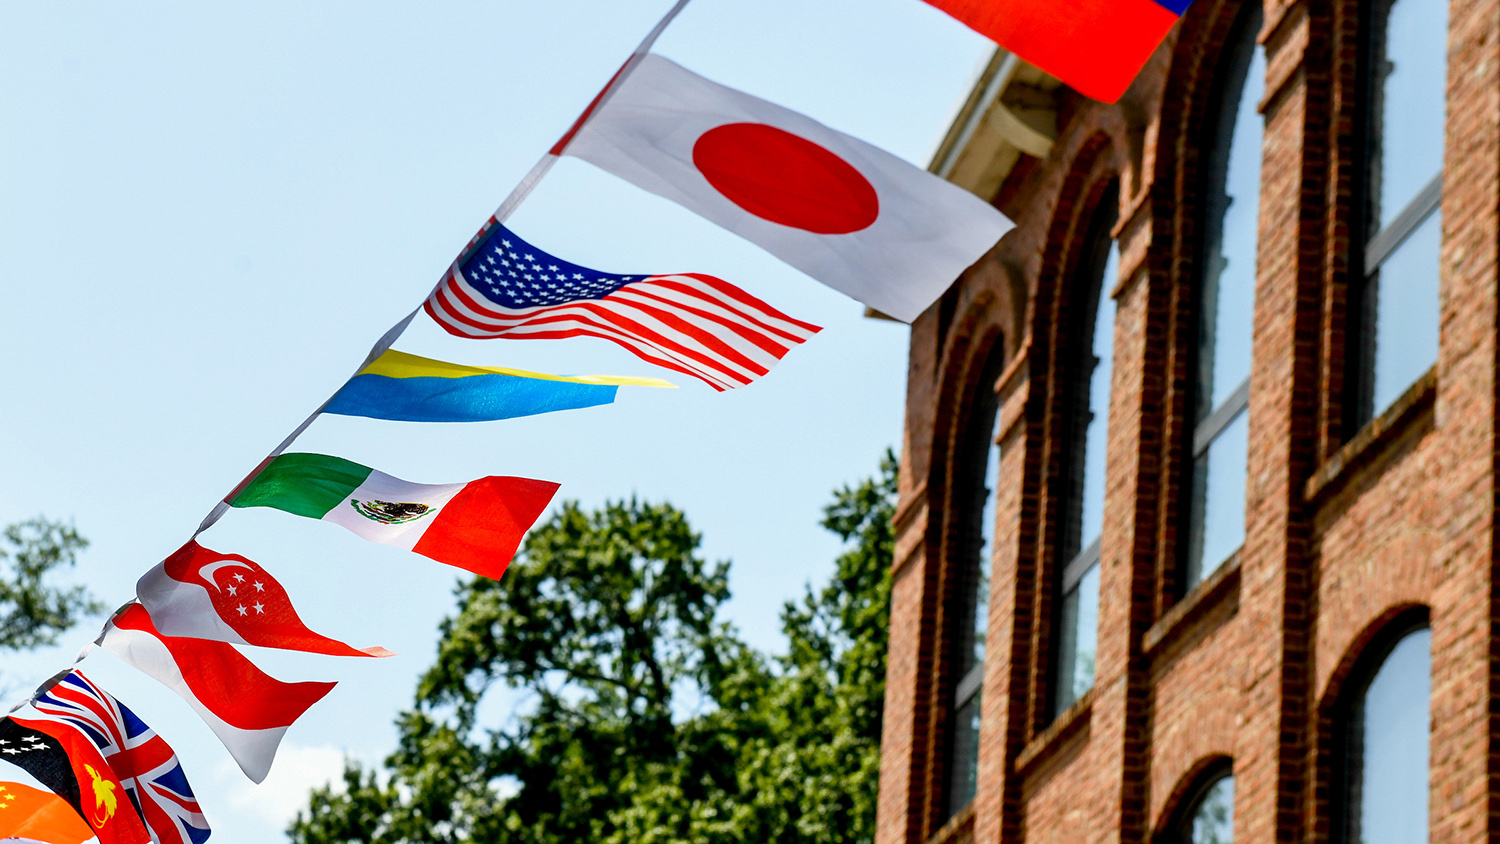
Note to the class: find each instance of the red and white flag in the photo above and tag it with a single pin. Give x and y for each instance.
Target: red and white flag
(852, 216)
(248, 709)
(203, 594)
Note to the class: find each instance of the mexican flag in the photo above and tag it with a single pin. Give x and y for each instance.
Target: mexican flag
(475, 526)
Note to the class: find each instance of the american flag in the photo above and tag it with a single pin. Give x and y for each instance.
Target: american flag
(146, 766)
(692, 323)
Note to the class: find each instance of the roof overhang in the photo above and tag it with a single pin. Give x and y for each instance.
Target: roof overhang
(1011, 111)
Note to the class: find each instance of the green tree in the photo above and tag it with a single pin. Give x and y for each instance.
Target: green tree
(33, 613)
(650, 720)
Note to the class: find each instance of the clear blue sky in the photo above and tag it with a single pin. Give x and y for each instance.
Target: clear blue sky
(208, 213)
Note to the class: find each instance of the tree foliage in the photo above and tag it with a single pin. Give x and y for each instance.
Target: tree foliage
(649, 720)
(33, 613)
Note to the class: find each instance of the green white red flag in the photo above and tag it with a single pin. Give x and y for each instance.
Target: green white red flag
(476, 525)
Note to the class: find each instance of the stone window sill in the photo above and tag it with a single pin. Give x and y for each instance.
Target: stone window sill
(1067, 725)
(1222, 585)
(1373, 440)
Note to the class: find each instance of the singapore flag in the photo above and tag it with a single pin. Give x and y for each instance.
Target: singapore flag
(852, 216)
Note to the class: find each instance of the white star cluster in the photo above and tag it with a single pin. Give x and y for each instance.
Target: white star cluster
(515, 274)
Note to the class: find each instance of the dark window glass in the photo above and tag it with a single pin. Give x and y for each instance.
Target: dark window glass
(1226, 304)
(1394, 307)
(1088, 422)
(1080, 638)
(972, 597)
(1210, 820)
(1385, 783)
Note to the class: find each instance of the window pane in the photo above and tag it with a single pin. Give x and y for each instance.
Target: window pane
(1097, 433)
(1079, 633)
(1217, 527)
(1213, 821)
(1408, 84)
(976, 482)
(963, 776)
(979, 586)
(1232, 207)
(1401, 314)
(1391, 765)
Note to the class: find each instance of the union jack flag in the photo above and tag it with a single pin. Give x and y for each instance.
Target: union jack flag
(693, 323)
(146, 766)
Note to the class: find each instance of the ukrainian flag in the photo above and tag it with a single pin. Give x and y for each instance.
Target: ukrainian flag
(408, 388)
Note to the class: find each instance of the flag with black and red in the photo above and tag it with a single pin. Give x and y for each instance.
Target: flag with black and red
(66, 761)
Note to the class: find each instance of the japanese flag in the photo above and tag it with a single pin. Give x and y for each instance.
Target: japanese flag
(852, 216)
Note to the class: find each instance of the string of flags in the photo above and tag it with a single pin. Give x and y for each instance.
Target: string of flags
(846, 213)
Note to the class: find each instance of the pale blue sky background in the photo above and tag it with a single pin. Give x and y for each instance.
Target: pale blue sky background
(208, 213)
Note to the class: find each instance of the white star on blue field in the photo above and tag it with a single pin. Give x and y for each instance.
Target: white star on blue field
(514, 274)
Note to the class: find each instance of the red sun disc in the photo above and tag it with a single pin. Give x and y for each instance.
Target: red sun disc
(785, 178)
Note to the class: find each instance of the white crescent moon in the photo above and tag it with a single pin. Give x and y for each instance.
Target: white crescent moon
(207, 572)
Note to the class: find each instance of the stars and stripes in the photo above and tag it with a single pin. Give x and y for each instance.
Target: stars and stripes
(146, 765)
(689, 322)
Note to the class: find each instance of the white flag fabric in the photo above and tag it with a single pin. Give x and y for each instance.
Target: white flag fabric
(849, 214)
(248, 709)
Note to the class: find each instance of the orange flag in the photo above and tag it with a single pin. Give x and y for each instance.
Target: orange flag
(31, 813)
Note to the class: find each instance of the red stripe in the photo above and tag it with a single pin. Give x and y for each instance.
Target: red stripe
(745, 330)
(578, 329)
(730, 291)
(481, 527)
(103, 719)
(671, 316)
(712, 379)
(610, 317)
(601, 310)
(749, 325)
(228, 684)
(632, 339)
(449, 318)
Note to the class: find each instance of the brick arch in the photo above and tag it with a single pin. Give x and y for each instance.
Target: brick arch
(993, 308)
(1204, 770)
(1365, 650)
(990, 305)
(1188, 97)
(978, 331)
(1096, 163)
(1366, 592)
(1189, 100)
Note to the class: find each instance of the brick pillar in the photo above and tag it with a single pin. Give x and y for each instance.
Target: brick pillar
(1464, 802)
(1269, 759)
(903, 745)
(1005, 707)
(1118, 722)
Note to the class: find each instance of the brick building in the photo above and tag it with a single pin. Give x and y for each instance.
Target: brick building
(1197, 516)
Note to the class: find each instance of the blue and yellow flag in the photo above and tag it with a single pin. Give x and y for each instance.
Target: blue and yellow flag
(408, 388)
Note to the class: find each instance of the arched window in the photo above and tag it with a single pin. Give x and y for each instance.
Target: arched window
(1209, 818)
(1393, 326)
(1226, 305)
(1090, 369)
(975, 493)
(1386, 736)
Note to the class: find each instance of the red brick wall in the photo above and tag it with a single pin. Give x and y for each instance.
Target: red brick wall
(1343, 535)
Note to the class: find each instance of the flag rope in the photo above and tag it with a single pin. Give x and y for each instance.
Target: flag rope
(513, 201)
